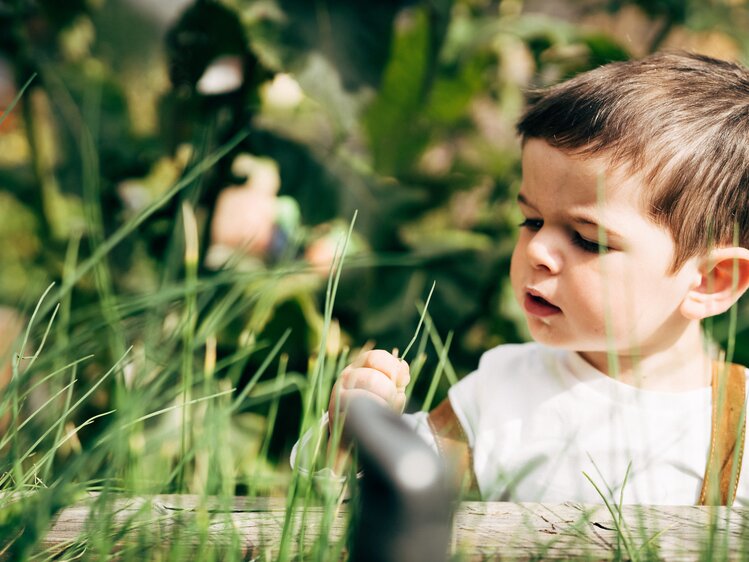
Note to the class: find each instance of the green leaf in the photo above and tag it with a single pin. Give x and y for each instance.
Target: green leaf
(451, 94)
(393, 121)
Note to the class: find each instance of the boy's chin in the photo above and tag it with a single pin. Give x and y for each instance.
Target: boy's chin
(549, 339)
(547, 335)
(544, 331)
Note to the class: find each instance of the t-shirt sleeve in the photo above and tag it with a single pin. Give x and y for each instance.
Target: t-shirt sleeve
(474, 401)
(418, 421)
(477, 398)
(303, 450)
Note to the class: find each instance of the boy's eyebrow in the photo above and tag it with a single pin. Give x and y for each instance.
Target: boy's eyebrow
(589, 221)
(522, 199)
(579, 218)
(582, 219)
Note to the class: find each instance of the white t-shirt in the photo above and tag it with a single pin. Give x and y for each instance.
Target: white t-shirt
(538, 418)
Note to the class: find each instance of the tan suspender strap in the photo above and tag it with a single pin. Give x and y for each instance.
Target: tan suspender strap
(452, 444)
(727, 435)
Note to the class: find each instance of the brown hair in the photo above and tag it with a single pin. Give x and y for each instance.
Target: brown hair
(679, 119)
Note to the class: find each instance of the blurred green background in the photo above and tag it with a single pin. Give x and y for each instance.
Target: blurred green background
(400, 111)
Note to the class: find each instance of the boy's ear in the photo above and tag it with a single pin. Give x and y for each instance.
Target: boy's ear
(724, 277)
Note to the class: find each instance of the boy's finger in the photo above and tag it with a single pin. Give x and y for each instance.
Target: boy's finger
(383, 361)
(352, 393)
(362, 355)
(404, 375)
(399, 403)
(371, 380)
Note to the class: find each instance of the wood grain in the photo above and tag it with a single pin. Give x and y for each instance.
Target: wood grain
(482, 530)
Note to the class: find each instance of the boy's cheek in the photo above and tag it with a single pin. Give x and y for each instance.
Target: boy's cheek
(516, 264)
(520, 273)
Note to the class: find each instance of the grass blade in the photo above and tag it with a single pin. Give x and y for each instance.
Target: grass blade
(18, 96)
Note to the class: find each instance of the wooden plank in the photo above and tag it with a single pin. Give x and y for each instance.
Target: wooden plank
(558, 532)
(482, 530)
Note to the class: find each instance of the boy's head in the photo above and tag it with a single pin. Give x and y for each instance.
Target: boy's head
(636, 199)
(679, 120)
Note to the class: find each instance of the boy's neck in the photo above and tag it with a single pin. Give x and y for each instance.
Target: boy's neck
(685, 365)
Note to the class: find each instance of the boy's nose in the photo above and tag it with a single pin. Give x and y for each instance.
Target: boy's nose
(543, 252)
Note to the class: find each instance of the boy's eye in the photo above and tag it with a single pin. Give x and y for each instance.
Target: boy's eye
(589, 246)
(532, 224)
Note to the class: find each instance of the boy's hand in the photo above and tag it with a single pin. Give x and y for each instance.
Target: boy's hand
(376, 374)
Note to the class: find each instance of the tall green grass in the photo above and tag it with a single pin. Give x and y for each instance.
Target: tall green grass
(173, 424)
(125, 397)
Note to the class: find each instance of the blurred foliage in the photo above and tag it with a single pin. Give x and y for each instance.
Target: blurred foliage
(400, 110)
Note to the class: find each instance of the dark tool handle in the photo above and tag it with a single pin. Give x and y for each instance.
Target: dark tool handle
(405, 504)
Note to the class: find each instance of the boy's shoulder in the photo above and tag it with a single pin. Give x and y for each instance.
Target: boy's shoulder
(511, 381)
(511, 364)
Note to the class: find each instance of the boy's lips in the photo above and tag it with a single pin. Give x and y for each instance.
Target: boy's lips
(536, 305)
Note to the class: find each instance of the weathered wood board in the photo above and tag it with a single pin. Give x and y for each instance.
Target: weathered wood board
(482, 530)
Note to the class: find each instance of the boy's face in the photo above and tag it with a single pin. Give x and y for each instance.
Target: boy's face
(569, 291)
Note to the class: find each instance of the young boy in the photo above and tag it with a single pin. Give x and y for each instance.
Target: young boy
(635, 195)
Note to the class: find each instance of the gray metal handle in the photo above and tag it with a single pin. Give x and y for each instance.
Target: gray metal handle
(404, 504)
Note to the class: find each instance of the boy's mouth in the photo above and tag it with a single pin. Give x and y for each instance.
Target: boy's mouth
(538, 306)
